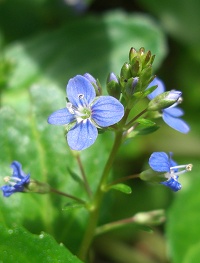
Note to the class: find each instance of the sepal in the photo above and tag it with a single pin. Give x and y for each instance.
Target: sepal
(113, 87)
(37, 187)
(164, 100)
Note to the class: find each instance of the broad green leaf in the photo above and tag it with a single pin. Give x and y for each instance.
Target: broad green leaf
(36, 88)
(183, 218)
(44, 153)
(88, 44)
(20, 246)
(122, 188)
(193, 254)
(178, 17)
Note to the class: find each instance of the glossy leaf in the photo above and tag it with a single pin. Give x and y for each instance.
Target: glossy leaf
(18, 245)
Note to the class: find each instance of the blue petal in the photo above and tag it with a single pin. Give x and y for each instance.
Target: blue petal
(77, 86)
(174, 111)
(160, 89)
(8, 190)
(89, 77)
(175, 123)
(173, 184)
(61, 117)
(172, 162)
(159, 162)
(17, 170)
(82, 135)
(107, 111)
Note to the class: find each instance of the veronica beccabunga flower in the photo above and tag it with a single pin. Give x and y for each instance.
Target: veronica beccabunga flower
(172, 114)
(17, 182)
(163, 163)
(85, 112)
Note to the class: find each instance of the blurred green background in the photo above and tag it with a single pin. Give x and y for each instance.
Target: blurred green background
(43, 43)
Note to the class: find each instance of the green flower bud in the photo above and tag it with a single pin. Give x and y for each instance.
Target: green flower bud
(154, 217)
(164, 100)
(113, 86)
(125, 73)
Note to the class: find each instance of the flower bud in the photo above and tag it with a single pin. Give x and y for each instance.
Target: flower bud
(164, 100)
(154, 217)
(125, 73)
(95, 83)
(131, 85)
(113, 86)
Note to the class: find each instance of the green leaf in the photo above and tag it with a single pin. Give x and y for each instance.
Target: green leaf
(36, 88)
(92, 44)
(193, 254)
(182, 225)
(20, 246)
(122, 188)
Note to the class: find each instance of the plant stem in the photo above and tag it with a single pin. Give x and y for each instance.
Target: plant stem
(55, 191)
(136, 117)
(87, 187)
(95, 206)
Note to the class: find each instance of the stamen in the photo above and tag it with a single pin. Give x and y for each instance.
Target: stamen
(6, 179)
(187, 168)
(83, 101)
(70, 107)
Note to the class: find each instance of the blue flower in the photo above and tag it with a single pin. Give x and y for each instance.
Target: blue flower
(163, 163)
(85, 113)
(170, 115)
(17, 181)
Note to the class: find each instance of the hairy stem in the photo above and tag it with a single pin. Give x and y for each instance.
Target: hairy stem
(86, 185)
(95, 205)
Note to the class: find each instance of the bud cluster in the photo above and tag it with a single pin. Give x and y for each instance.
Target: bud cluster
(135, 76)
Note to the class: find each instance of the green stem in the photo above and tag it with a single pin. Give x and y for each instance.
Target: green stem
(55, 191)
(135, 118)
(113, 225)
(86, 185)
(95, 206)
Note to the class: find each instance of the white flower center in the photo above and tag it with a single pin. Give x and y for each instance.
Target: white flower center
(173, 174)
(83, 111)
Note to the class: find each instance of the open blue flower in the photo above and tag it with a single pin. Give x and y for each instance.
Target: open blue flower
(170, 115)
(163, 163)
(17, 181)
(85, 113)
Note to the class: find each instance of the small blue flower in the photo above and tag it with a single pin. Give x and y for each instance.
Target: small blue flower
(170, 115)
(17, 181)
(163, 163)
(86, 112)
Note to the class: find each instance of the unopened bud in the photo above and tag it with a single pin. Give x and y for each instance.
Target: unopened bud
(131, 85)
(95, 83)
(164, 100)
(154, 217)
(113, 86)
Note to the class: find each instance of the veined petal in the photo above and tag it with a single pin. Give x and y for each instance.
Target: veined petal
(77, 86)
(82, 135)
(174, 111)
(175, 123)
(17, 170)
(61, 117)
(107, 111)
(173, 184)
(159, 162)
(160, 89)
(172, 162)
